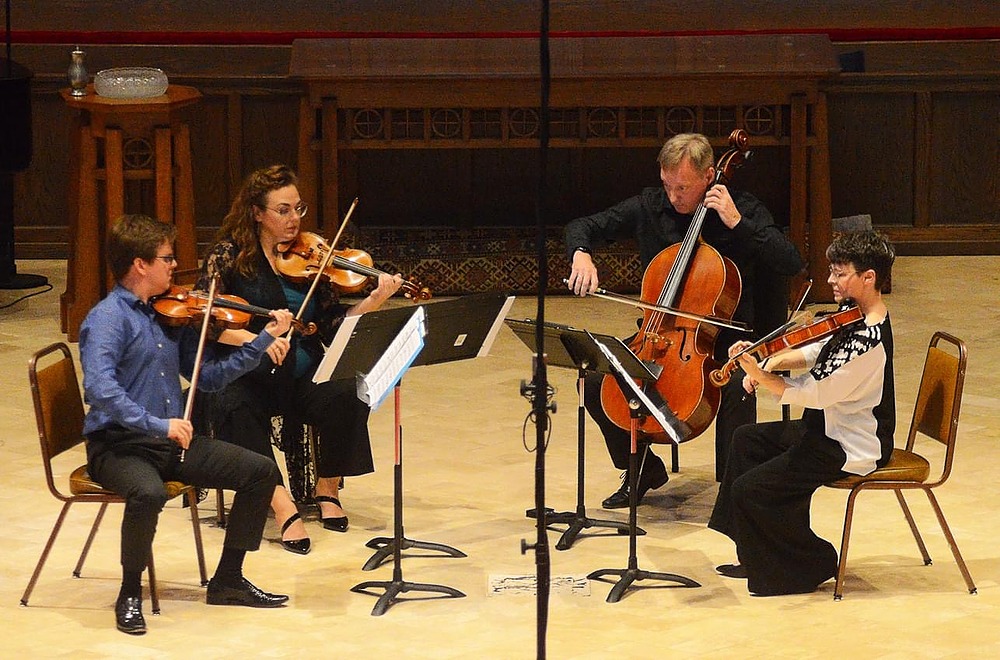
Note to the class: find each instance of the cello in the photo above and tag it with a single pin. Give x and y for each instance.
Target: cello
(692, 277)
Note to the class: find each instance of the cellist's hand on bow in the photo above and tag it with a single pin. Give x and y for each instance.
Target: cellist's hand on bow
(583, 276)
(719, 200)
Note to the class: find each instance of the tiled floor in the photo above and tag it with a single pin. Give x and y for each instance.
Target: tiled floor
(468, 480)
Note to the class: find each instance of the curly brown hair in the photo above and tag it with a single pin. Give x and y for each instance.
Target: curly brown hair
(239, 224)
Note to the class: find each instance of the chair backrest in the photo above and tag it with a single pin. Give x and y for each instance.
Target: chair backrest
(59, 414)
(939, 399)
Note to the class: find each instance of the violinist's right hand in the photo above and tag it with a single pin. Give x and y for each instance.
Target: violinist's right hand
(583, 276)
(180, 431)
(281, 321)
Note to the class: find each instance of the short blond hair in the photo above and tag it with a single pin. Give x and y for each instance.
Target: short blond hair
(694, 146)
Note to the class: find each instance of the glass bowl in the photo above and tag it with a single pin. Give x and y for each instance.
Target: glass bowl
(130, 83)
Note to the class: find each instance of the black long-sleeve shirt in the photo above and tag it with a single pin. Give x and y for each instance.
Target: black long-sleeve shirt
(755, 243)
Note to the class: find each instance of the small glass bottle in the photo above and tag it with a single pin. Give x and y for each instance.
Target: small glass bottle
(77, 73)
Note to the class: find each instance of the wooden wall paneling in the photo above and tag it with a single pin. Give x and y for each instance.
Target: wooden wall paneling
(500, 15)
(186, 245)
(235, 169)
(871, 156)
(306, 165)
(210, 158)
(922, 139)
(798, 195)
(269, 131)
(965, 160)
(820, 219)
(164, 182)
(327, 202)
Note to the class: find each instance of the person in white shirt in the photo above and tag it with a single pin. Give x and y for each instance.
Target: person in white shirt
(847, 427)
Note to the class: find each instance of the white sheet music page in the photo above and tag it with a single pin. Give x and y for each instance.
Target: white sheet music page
(397, 358)
(637, 390)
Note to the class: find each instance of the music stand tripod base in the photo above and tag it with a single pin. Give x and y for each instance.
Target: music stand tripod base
(393, 588)
(640, 406)
(384, 547)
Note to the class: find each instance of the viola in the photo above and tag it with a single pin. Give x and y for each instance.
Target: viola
(348, 270)
(691, 277)
(180, 307)
(799, 336)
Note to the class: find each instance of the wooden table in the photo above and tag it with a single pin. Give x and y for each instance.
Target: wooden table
(605, 92)
(120, 149)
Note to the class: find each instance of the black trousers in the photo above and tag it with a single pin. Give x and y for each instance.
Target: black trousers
(333, 408)
(736, 408)
(763, 505)
(135, 467)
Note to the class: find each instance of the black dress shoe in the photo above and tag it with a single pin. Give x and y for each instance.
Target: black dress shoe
(128, 615)
(737, 571)
(245, 594)
(298, 546)
(338, 524)
(619, 498)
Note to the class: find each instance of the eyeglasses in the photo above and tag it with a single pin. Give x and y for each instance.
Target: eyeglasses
(167, 258)
(300, 209)
(840, 274)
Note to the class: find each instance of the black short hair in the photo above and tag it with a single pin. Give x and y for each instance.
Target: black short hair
(865, 250)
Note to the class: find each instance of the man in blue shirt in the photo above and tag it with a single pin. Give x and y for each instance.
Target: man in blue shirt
(136, 435)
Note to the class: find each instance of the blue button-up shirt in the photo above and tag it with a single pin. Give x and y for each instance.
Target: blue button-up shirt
(131, 365)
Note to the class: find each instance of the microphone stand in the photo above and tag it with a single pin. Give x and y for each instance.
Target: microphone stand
(538, 391)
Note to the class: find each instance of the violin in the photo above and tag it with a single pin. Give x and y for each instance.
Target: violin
(349, 269)
(800, 336)
(180, 307)
(691, 277)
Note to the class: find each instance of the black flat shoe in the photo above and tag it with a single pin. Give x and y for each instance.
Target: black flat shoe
(736, 571)
(298, 546)
(245, 594)
(128, 615)
(619, 498)
(333, 524)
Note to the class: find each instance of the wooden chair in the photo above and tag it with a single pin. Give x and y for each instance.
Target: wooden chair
(59, 415)
(935, 416)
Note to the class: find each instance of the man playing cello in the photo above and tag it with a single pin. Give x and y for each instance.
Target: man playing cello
(736, 224)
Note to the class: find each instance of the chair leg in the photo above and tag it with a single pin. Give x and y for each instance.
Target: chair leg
(45, 554)
(90, 539)
(913, 527)
(220, 508)
(951, 541)
(838, 588)
(196, 526)
(154, 595)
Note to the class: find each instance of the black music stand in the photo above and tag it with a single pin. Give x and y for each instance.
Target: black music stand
(458, 329)
(626, 369)
(565, 346)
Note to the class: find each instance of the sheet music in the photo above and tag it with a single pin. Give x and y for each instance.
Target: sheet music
(397, 358)
(492, 335)
(652, 408)
(333, 352)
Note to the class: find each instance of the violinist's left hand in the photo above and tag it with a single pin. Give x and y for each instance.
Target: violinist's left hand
(386, 287)
(719, 200)
(281, 320)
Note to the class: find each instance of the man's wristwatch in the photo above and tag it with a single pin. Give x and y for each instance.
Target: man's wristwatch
(585, 250)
